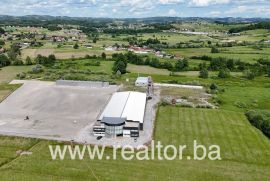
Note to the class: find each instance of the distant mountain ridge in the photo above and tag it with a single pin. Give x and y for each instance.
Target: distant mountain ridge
(132, 20)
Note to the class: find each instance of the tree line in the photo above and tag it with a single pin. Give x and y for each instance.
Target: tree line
(261, 25)
(121, 61)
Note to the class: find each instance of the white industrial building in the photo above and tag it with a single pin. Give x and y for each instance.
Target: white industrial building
(123, 115)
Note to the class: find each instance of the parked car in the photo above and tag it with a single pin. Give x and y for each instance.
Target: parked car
(99, 137)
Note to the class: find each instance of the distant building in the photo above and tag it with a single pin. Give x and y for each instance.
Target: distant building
(88, 46)
(110, 48)
(139, 50)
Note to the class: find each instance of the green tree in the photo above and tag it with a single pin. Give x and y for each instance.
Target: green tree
(103, 55)
(202, 66)
(119, 66)
(95, 40)
(14, 52)
(230, 64)
(154, 63)
(181, 65)
(2, 42)
(2, 31)
(214, 50)
(17, 62)
(28, 61)
(203, 73)
(4, 60)
(268, 71)
(76, 46)
(51, 59)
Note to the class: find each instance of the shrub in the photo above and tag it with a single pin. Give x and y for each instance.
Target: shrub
(21, 75)
(92, 63)
(204, 74)
(213, 86)
(240, 105)
(17, 62)
(249, 74)
(37, 69)
(224, 73)
(164, 103)
(260, 119)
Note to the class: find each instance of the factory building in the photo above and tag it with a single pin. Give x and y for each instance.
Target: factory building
(123, 115)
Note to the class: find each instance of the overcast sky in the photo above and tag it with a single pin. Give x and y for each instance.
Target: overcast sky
(137, 8)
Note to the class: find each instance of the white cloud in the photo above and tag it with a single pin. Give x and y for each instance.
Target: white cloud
(239, 9)
(256, 10)
(202, 3)
(170, 1)
(172, 12)
(137, 8)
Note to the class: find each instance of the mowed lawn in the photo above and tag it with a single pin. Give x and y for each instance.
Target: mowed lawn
(7, 74)
(245, 153)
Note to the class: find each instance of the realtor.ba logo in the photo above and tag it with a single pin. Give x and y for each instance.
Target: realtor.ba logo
(157, 151)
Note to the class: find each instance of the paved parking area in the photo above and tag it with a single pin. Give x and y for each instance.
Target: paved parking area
(55, 112)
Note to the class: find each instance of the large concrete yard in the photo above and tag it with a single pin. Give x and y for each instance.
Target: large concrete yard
(65, 113)
(55, 112)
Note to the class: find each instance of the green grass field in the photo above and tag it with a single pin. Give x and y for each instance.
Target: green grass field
(245, 54)
(9, 73)
(244, 152)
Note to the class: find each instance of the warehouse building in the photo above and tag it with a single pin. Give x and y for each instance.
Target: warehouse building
(123, 115)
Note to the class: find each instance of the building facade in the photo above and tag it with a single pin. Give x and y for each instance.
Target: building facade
(123, 115)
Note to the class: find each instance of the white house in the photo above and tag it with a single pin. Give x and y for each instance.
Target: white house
(142, 81)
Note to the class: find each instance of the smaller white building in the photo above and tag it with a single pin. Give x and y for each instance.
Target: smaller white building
(142, 81)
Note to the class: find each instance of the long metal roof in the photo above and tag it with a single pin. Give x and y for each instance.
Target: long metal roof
(135, 107)
(115, 106)
(129, 105)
